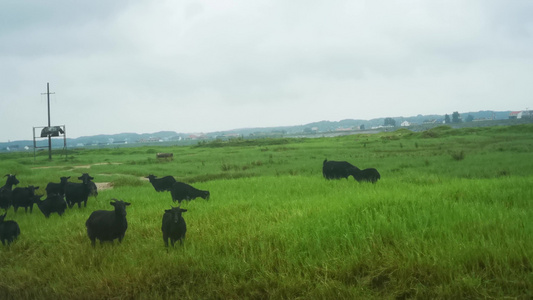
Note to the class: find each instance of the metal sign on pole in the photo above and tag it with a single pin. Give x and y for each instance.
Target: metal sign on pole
(46, 132)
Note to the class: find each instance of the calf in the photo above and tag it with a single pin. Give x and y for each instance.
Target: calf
(107, 225)
(54, 203)
(161, 184)
(78, 192)
(6, 191)
(173, 226)
(370, 175)
(338, 169)
(57, 188)
(9, 230)
(23, 196)
(181, 191)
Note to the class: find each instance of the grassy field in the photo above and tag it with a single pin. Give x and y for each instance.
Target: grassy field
(451, 217)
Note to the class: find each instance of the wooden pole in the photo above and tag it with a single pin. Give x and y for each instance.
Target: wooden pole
(49, 124)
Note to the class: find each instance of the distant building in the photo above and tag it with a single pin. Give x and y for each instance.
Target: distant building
(150, 140)
(405, 124)
(382, 126)
(200, 136)
(344, 129)
(515, 115)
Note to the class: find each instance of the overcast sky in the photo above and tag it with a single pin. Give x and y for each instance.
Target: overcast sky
(212, 65)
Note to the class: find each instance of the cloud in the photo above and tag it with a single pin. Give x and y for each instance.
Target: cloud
(205, 65)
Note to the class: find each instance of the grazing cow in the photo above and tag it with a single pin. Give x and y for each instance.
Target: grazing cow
(370, 175)
(337, 169)
(167, 156)
(78, 192)
(9, 230)
(6, 191)
(54, 203)
(181, 191)
(23, 197)
(106, 225)
(93, 190)
(161, 184)
(173, 226)
(57, 188)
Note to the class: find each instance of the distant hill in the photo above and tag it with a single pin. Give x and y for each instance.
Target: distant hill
(188, 138)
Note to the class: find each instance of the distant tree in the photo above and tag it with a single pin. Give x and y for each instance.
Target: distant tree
(362, 127)
(470, 118)
(389, 122)
(456, 117)
(447, 119)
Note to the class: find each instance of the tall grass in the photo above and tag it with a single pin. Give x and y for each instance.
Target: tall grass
(432, 227)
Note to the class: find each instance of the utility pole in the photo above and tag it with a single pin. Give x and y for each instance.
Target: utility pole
(49, 124)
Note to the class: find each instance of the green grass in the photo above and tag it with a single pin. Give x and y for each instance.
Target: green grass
(432, 227)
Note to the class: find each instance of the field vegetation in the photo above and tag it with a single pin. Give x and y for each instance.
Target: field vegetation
(451, 217)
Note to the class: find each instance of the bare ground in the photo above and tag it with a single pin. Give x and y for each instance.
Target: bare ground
(102, 186)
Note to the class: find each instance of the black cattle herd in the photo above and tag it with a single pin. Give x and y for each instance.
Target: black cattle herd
(106, 225)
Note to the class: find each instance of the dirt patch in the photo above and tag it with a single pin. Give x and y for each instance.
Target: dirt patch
(50, 167)
(96, 164)
(102, 186)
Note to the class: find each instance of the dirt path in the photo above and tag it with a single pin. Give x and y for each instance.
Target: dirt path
(77, 167)
(102, 186)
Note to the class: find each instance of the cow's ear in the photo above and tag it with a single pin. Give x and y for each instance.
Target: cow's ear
(127, 203)
(183, 210)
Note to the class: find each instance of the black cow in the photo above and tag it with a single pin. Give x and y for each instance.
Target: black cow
(181, 191)
(78, 192)
(106, 225)
(23, 197)
(93, 189)
(6, 191)
(9, 230)
(370, 175)
(173, 226)
(161, 184)
(57, 188)
(338, 169)
(54, 203)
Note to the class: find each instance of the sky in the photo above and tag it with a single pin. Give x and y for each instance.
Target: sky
(197, 66)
